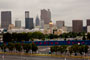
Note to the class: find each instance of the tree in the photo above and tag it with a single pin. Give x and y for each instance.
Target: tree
(29, 35)
(88, 36)
(38, 35)
(52, 49)
(27, 47)
(7, 37)
(18, 47)
(84, 38)
(63, 49)
(14, 37)
(85, 49)
(3, 47)
(75, 49)
(70, 50)
(34, 47)
(10, 46)
(80, 49)
(55, 49)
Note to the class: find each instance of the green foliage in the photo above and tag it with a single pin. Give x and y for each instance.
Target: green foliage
(10, 46)
(75, 49)
(27, 47)
(62, 49)
(18, 37)
(38, 35)
(85, 48)
(3, 47)
(18, 47)
(52, 49)
(7, 37)
(70, 50)
(34, 47)
(88, 36)
(52, 36)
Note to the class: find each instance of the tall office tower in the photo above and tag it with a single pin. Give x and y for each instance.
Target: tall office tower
(18, 24)
(37, 21)
(88, 22)
(42, 24)
(77, 25)
(26, 14)
(46, 16)
(5, 19)
(88, 25)
(60, 24)
(29, 23)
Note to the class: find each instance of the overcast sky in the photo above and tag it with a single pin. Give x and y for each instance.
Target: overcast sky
(66, 10)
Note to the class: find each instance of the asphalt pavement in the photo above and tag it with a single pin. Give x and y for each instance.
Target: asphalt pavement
(16, 57)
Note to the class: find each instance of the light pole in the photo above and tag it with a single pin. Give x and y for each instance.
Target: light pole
(21, 50)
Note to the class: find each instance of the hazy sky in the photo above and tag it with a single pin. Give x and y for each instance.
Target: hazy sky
(61, 9)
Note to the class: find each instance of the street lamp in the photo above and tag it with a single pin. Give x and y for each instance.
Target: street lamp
(21, 50)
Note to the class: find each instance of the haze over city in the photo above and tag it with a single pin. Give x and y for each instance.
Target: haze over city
(66, 10)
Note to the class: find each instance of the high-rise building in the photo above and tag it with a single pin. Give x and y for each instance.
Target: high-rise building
(37, 21)
(60, 24)
(42, 24)
(18, 24)
(88, 25)
(26, 14)
(88, 22)
(29, 23)
(77, 25)
(5, 19)
(46, 16)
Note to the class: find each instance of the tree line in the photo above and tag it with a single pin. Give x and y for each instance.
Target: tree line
(82, 49)
(30, 36)
(19, 47)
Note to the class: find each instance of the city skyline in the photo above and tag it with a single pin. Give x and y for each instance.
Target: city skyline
(60, 9)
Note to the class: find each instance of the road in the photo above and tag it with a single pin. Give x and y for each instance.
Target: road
(14, 57)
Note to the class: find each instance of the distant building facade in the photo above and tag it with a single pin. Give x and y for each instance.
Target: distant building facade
(18, 24)
(60, 24)
(77, 25)
(88, 29)
(88, 22)
(37, 21)
(42, 24)
(11, 26)
(5, 19)
(46, 16)
(29, 23)
(69, 29)
(26, 14)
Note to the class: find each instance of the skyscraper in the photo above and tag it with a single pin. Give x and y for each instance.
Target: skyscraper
(29, 23)
(18, 23)
(77, 25)
(88, 25)
(88, 22)
(26, 14)
(5, 19)
(60, 24)
(37, 21)
(46, 16)
(42, 24)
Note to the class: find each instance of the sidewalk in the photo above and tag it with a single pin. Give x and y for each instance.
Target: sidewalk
(51, 55)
